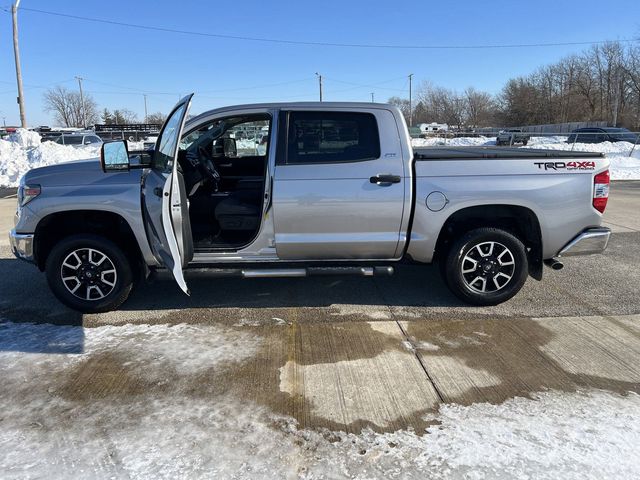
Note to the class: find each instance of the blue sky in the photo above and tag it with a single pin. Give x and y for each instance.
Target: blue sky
(121, 63)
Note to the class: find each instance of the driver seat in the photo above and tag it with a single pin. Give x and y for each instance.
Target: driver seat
(241, 211)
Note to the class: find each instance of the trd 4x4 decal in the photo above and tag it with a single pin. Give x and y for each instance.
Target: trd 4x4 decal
(566, 165)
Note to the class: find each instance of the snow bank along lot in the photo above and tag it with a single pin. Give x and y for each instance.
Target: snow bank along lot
(623, 167)
(127, 420)
(23, 151)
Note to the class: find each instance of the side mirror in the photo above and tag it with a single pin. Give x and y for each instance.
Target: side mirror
(114, 156)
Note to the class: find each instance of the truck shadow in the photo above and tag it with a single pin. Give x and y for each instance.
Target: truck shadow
(411, 286)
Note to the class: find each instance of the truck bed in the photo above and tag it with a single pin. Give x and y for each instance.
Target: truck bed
(477, 153)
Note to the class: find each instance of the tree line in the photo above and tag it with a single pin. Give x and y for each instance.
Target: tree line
(70, 110)
(599, 84)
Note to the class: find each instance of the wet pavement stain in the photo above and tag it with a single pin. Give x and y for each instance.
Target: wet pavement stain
(348, 376)
(510, 351)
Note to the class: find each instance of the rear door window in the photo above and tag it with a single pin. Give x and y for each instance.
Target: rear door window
(331, 137)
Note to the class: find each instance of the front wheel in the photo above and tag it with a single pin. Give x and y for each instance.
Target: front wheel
(486, 266)
(89, 273)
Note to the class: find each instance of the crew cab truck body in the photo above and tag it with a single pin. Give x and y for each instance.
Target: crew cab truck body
(325, 188)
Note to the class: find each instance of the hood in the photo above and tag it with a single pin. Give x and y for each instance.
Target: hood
(79, 172)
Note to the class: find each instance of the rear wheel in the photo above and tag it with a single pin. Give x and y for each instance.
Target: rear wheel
(89, 273)
(486, 266)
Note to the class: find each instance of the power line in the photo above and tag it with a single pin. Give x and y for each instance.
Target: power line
(320, 44)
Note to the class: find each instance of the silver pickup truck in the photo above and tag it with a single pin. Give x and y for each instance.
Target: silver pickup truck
(301, 189)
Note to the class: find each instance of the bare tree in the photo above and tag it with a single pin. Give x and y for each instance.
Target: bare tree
(480, 108)
(402, 104)
(68, 109)
(157, 118)
(124, 116)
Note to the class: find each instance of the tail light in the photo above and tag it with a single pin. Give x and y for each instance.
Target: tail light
(601, 190)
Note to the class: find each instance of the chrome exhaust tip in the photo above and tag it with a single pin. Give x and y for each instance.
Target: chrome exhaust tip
(554, 264)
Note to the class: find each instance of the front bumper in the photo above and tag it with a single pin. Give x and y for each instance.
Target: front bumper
(22, 245)
(591, 240)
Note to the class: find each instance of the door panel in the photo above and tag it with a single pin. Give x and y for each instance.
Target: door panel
(334, 211)
(164, 204)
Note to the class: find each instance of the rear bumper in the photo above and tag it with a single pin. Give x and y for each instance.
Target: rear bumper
(590, 241)
(22, 245)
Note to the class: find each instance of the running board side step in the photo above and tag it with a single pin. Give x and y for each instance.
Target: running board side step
(293, 272)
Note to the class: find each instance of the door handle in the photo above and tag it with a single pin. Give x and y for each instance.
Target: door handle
(158, 191)
(385, 180)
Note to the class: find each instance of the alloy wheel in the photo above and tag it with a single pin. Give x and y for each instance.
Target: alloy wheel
(487, 267)
(88, 274)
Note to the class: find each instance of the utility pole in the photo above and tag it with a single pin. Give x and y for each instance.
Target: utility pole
(410, 104)
(84, 111)
(4, 122)
(320, 84)
(616, 93)
(145, 107)
(16, 54)
(372, 98)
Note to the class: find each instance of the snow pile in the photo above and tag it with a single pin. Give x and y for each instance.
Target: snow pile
(453, 142)
(157, 401)
(22, 151)
(536, 141)
(622, 167)
(25, 138)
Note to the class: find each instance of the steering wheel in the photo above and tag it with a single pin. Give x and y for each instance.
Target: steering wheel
(205, 166)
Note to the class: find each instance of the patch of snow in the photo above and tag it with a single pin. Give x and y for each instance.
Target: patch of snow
(623, 167)
(454, 142)
(372, 312)
(22, 151)
(428, 346)
(175, 433)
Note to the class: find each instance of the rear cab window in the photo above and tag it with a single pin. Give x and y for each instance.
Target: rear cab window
(331, 137)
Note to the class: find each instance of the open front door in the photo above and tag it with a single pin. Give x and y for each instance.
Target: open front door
(164, 200)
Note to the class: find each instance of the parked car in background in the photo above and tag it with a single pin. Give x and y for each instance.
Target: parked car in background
(511, 136)
(79, 140)
(602, 134)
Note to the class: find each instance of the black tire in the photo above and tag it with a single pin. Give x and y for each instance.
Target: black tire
(473, 247)
(524, 142)
(96, 279)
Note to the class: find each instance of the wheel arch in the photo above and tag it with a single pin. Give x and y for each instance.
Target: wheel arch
(56, 226)
(518, 220)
